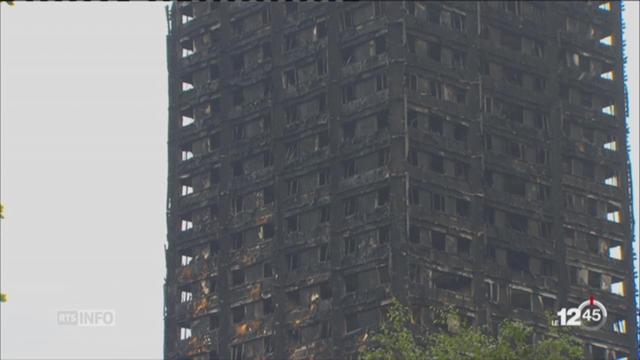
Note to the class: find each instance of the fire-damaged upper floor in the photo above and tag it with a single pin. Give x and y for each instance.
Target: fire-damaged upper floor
(327, 157)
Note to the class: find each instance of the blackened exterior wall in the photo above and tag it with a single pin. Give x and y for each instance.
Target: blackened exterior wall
(325, 157)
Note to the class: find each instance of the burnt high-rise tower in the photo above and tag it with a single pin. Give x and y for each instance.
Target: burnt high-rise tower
(326, 157)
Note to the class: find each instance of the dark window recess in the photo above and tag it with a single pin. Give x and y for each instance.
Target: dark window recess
(292, 186)
(488, 178)
(266, 51)
(267, 195)
(438, 240)
(381, 82)
(267, 270)
(321, 67)
(460, 132)
(238, 313)
(521, 299)
(351, 283)
(267, 344)
(349, 168)
(293, 151)
(592, 207)
(267, 306)
(323, 253)
(350, 206)
(238, 62)
(290, 42)
(588, 170)
(383, 235)
(517, 222)
(266, 231)
(237, 204)
(214, 248)
(451, 282)
(325, 330)
(213, 285)
(510, 41)
(414, 196)
(414, 273)
(236, 352)
(437, 202)
(414, 234)
(214, 322)
(237, 277)
(348, 130)
(461, 170)
(291, 114)
(351, 322)
(382, 197)
(435, 52)
(383, 157)
(292, 223)
(543, 192)
(436, 124)
(238, 168)
(488, 142)
(412, 119)
(412, 157)
(595, 279)
(463, 208)
(291, 8)
(293, 261)
(518, 261)
(514, 185)
(464, 246)
(542, 156)
(489, 215)
(547, 267)
(236, 240)
(238, 97)
(293, 334)
(514, 149)
(350, 245)
(437, 163)
(325, 291)
(323, 177)
(348, 93)
(214, 72)
(382, 120)
(383, 274)
(380, 44)
(347, 55)
(325, 214)
(267, 158)
(215, 175)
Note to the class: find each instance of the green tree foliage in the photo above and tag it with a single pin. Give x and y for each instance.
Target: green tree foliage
(397, 340)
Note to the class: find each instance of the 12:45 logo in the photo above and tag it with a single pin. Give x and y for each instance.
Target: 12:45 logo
(590, 315)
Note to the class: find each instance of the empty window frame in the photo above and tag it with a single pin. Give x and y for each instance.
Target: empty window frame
(350, 206)
(237, 277)
(350, 245)
(382, 196)
(521, 299)
(451, 281)
(266, 231)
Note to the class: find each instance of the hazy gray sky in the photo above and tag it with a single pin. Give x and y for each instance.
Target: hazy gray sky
(83, 171)
(84, 122)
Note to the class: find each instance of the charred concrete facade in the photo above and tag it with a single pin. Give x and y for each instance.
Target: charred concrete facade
(327, 157)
